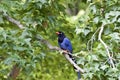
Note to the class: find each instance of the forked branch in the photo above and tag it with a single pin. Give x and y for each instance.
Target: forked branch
(105, 46)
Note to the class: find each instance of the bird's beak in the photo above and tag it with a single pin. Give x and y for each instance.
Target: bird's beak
(57, 33)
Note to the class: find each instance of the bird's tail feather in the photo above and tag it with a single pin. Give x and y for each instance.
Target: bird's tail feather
(79, 75)
(78, 72)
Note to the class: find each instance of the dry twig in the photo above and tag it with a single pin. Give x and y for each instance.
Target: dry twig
(91, 40)
(106, 47)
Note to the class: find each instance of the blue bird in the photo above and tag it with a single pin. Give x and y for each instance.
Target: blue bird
(66, 45)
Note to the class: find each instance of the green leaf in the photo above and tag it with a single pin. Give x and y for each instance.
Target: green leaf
(43, 1)
(1, 19)
(86, 31)
(95, 57)
(19, 48)
(93, 8)
(11, 59)
(78, 30)
(115, 36)
(103, 67)
(96, 20)
(28, 42)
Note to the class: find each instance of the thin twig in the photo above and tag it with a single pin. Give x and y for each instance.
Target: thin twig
(106, 47)
(106, 61)
(91, 40)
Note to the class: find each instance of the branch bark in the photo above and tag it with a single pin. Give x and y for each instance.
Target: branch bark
(15, 72)
(12, 20)
(65, 54)
(73, 63)
(105, 46)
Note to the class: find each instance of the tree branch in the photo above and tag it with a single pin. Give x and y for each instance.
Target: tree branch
(14, 72)
(60, 50)
(73, 63)
(91, 40)
(12, 20)
(106, 47)
(44, 42)
(53, 47)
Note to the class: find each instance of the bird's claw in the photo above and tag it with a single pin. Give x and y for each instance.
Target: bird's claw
(64, 51)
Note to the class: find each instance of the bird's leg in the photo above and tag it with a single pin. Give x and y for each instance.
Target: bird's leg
(65, 51)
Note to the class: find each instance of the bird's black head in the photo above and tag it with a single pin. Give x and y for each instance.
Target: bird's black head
(61, 36)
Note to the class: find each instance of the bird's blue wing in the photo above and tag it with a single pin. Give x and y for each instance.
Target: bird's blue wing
(66, 45)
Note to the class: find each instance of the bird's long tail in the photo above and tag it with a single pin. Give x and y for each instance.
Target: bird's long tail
(79, 75)
(78, 72)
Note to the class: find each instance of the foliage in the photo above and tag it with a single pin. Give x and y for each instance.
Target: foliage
(43, 18)
(98, 64)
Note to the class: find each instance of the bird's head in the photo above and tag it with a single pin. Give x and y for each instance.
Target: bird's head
(60, 34)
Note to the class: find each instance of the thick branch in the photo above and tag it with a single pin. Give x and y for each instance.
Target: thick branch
(49, 45)
(46, 43)
(73, 63)
(106, 47)
(65, 54)
(14, 72)
(53, 47)
(12, 20)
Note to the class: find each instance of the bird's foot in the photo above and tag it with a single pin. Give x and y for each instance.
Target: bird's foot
(65, 51)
